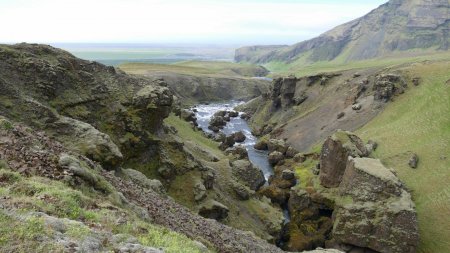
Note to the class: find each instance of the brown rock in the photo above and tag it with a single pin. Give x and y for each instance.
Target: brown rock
(333, 159)
(275, 157)
(244, 171)
(213, 210)
(239, 136)
(261, 145)
(413, 161)
(375, 211)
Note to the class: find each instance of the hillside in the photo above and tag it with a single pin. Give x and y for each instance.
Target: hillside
(406, 118)
(87, 164)
(410, 27)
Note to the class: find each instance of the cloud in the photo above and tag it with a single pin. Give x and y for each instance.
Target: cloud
(176, 21)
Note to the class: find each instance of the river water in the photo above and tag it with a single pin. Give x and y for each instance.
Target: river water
(257, 157)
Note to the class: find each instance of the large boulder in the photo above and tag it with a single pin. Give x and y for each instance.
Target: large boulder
(250, 176)
(142, 180)
(188, 116)
(308, 229)
(217, 121)
(276, 145)
(239, 151)
(84, 138)
(212, 209)
(335, 151)
(228, 142)
(239, 136)
(199, 191)
(375, 210)
(275, 157)
(261, 145)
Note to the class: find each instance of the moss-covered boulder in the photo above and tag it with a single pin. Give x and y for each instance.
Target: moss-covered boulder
(246, 173)
(333, 158)
(375, 210)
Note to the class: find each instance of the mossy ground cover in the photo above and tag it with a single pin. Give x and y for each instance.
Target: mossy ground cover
(419, 122)
(186, 133)
(92, 209)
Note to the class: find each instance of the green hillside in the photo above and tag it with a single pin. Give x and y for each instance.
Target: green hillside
(418, 122)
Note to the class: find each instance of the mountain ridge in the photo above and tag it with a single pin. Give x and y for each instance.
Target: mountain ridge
(397, 25)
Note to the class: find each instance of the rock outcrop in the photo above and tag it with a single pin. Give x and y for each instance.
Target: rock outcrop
(79, 101)
(333, 158)
(246, 173)
(387, 86)
(376, 211)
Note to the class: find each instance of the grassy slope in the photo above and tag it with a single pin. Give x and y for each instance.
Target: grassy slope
(419, 122)
(301, 67)
(20, 233)
(241, 210)
(194, 68)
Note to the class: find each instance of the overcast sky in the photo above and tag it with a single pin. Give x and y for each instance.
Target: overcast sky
(174, 21)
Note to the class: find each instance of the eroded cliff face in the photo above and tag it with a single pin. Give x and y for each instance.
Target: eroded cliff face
(86, 105)
(398, 25)
(305, 110)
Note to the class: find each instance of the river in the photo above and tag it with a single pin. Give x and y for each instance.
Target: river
(257, 157)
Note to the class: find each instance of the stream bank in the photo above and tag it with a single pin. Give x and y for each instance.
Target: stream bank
(259, 158)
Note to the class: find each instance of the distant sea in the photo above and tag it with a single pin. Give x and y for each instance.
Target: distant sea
(116, 54)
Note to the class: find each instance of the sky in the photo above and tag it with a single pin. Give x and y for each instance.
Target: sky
(243, 22)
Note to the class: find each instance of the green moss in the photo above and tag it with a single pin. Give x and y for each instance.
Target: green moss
(182, 188)
(185, 132)
(21, 235)
(6, 124)
(149, 169)
(51, 197)
(4, 165)
(6, 102)
(6, 176)
(155, 236)
(77, 112)
(304, 172)
(78, 231)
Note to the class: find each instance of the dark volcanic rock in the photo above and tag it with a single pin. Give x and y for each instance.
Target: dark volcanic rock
(378, 199)
(276, 145)
(71, 99)
(335, 152)
(228, 142)
(217, 121)
(213, 210)
(261, 145)
(239, 136)
(388, 85)
(244, 171)
(275, 157)
(188, 115)
(413, 161)
(239, 151)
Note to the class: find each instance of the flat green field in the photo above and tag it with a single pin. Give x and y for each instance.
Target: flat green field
(196, 68)
(419, 122)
